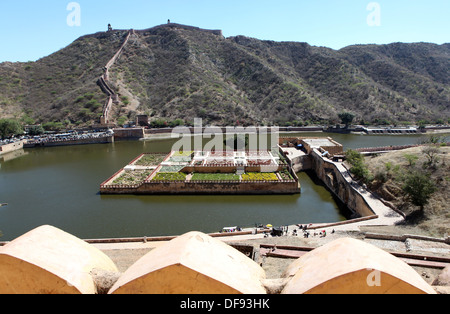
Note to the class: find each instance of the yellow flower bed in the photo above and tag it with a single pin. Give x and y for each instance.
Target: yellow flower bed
(183, 154)
(259, 176)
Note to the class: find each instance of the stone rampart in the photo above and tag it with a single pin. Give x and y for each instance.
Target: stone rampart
(337, 182)
(128, 133)
(102, 82)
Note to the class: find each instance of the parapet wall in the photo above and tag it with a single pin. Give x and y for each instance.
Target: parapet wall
(206, 187)
(131, 133)
(336, 181)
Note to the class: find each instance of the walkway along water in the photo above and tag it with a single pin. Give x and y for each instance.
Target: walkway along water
(339, 181)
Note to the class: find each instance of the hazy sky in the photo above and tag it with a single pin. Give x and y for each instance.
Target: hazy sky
(32, 29)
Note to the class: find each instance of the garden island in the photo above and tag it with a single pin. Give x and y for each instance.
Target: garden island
(205, 172)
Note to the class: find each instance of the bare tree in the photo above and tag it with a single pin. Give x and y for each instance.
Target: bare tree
(432, 154)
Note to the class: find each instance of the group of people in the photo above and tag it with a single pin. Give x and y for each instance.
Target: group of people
(301, 228)
(307, 233)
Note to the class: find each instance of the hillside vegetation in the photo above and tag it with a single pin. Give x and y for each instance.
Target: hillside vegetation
(416, 181)
(175, 72)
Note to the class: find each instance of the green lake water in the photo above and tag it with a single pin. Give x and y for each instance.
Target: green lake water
(59, 186)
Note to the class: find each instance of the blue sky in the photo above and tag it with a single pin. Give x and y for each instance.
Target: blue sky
(32, 29)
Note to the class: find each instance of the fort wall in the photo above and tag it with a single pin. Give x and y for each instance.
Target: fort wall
(337, 181)
(128, 133)
(336, 177)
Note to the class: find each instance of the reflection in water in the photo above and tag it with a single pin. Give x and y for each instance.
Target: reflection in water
(12, 155)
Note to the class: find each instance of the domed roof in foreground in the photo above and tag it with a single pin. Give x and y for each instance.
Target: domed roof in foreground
(349, 266)
(193, 263)
(47, 260)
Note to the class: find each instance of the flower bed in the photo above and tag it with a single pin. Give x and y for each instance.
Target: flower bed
(285, 175)
(260, 162)
(132, 177)
(167, 169)
(183, 154)
(151, 160)
(215, 177)
(175, 176)
(220, 162)
(282, 160)
(259, 176)
(180, 159)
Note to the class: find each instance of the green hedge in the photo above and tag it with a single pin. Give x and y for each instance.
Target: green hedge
(215, 177)
(175, 176)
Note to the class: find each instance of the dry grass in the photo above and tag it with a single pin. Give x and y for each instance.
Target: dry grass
(391, 169)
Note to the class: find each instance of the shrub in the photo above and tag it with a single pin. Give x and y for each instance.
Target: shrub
(9, 127)
(432, 154)
(174, 176)
(151, 160)
(132, 177)
(215, 177)
(259, 176)
(358, 168)
(411, 159)
(419, 188)
(53, 126)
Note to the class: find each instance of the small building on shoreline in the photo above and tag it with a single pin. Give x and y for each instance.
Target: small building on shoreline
(11, 147)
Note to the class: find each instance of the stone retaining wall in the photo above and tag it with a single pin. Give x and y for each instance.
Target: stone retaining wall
(336, 181)
(205, 187)
(11, 147)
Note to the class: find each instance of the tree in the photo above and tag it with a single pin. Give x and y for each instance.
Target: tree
(353, 156)
(36, 130)
(53, 126)
(346, 118)
(9, 127)
(432, 154)
(419, 188)
(411, 159)
(358, 167)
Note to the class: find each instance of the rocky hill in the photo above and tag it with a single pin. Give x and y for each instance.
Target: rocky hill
(178, 72)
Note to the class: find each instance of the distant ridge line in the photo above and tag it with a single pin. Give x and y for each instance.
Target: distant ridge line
(186, 27)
